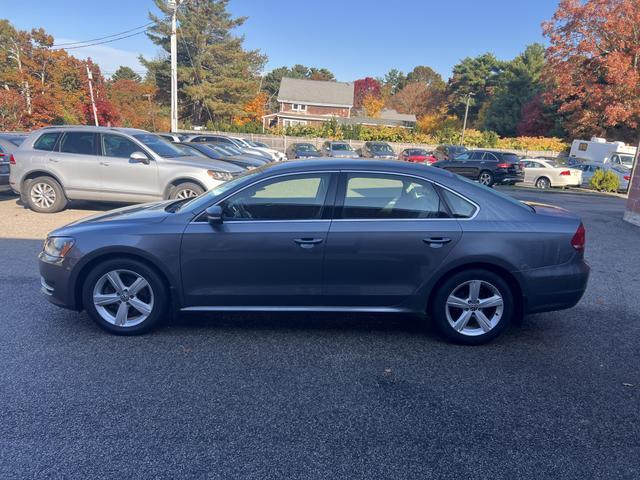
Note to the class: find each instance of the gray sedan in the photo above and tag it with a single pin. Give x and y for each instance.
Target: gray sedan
(589, 168)
(324, 235)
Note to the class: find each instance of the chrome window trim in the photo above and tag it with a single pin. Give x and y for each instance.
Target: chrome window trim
(385, 172)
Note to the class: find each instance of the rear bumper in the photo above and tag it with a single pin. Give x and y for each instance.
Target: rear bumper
(505, 177)
(555, 288)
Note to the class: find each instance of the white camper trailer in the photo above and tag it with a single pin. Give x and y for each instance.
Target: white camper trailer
(601, 151)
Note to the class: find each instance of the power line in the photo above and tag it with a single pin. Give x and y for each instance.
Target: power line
(101, 43)
(102, 38)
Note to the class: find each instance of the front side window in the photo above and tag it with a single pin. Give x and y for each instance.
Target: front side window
(476, 156)
(382, 196)
(463, 157)
(81, 143)
(296, 197)
(46, 142)
(118, 146)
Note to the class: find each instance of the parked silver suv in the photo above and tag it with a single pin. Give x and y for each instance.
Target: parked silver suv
(57, 164)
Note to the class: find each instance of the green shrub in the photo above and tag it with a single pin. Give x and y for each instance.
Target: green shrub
(605, 181)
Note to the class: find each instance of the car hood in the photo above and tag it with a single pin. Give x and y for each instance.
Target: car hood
(146, 213)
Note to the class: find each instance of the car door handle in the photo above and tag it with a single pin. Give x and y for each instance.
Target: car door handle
(308, 242)
(53, 160)
(105, 164)
(436, 241)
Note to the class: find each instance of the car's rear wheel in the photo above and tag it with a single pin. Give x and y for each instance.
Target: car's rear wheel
(186, 190)
(473, 307)
(543, 183)
(486, 178)
(45, 195)
(124, 296)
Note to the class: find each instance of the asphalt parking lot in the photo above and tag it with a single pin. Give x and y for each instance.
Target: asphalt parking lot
(322, 396)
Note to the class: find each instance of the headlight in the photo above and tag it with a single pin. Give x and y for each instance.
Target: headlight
(224, 176)
(58, 246)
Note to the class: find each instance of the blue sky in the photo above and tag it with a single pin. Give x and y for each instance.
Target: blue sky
(353, 38)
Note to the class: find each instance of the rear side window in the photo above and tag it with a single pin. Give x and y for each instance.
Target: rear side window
(460, 208)
(81, 143)
(390, 197)
(476, 155)
(46, 142)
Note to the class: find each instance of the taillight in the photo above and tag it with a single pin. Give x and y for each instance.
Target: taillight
(579, 238)
(627, 177)
(565, 172)
(12, 159)
(503, 165)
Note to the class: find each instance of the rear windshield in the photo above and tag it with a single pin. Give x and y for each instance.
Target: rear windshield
(510, 157)
(344, 147)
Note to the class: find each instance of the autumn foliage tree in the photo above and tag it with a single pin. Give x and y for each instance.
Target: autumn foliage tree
(363, 88)
(253, 110)
(593, 66)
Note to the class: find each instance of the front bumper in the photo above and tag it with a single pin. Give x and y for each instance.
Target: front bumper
(55, 281)
(555, 288)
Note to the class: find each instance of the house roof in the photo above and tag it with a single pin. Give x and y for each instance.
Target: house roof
(390, 114)
(316, 92)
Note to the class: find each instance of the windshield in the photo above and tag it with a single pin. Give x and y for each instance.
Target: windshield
(192, 151)
(17, 141)
(509, 198)
(206, 198)
(306, 147)
(341, 147)
(627, 160)
(381, 148)
(159, 145)
(231, 149)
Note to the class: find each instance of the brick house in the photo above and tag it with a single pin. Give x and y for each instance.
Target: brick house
(310, 102)
(313, 102)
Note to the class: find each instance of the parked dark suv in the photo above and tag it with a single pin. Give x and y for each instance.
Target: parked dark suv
(486, 166)
(379, 150)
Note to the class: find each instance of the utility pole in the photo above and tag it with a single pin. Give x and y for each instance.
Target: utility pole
(466, 113)
(173, 4)
(93, 101)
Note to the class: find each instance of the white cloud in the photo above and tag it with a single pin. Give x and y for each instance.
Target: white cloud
(108, 58)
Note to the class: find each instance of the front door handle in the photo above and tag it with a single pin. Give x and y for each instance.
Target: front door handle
(105, 164)
(53, 160)
(308, 242)
(436, 241)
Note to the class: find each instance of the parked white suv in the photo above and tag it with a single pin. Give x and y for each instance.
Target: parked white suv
(57, 164)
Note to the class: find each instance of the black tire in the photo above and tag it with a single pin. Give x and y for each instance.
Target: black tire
(185, 190)
(159, 296)
(45, 195)
(543, 183)
(486, 178)
(471, 335)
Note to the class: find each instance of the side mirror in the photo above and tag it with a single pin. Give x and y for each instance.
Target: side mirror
(214, 215)
(139, 157)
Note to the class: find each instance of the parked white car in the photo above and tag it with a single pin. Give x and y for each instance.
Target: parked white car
(546, 174)
(275, 154)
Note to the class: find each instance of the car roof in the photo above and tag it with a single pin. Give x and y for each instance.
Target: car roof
(390, 166)
(93, 128)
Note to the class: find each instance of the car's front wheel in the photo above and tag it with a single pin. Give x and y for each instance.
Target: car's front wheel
(186, 190)
(125, 296)
(473, 307)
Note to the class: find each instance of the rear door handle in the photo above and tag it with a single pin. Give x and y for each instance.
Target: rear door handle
(53, 160)
(308, 242)
(105, 164)
(436, 241)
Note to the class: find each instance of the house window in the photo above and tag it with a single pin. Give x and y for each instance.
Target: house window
(292, 123)
(298, 107)
(583, 147)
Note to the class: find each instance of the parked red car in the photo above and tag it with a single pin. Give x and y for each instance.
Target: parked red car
(417, 155)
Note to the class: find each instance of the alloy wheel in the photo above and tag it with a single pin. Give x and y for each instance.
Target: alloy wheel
(123, 298)
(186, 193)
(543, 183)
(474, 308)
(43, 195)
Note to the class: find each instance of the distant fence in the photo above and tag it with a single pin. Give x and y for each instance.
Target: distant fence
(281, 142)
